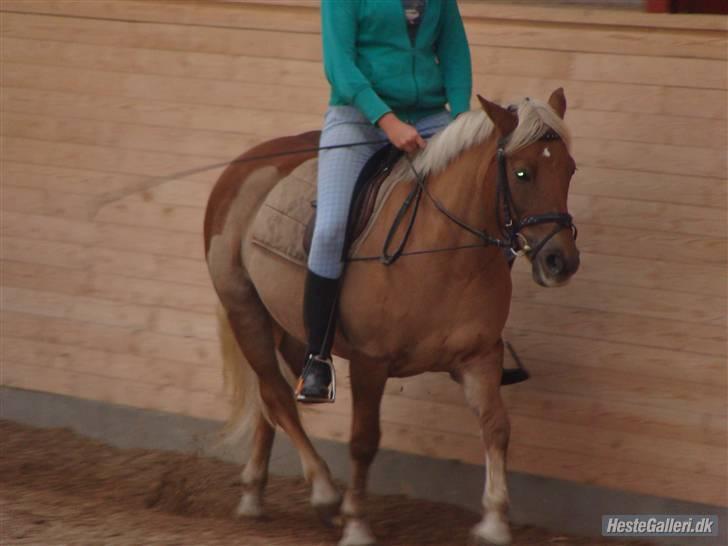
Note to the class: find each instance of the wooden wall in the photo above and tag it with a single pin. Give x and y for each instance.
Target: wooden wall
(105, 294)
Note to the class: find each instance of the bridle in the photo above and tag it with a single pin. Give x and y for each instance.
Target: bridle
(511, 238)
(515, 241)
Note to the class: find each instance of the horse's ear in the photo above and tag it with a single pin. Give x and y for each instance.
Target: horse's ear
(505, 122)
(557, 101)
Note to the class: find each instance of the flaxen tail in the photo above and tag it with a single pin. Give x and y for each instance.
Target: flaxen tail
(241, 382)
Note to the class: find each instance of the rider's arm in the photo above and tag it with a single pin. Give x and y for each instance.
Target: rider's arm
(339, 30)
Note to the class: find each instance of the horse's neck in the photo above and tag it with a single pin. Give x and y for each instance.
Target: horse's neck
(466, 188)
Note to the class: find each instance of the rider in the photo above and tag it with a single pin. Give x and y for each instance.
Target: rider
(392, 66)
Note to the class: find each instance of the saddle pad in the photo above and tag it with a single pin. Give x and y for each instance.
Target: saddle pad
(280, 224)
(281, 221)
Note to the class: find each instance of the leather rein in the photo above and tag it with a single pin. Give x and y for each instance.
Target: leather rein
(510, 227)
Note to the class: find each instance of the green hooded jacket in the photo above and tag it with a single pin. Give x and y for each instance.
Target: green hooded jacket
(371, 63)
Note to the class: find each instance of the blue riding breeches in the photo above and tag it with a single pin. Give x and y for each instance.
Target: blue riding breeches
(338, 171)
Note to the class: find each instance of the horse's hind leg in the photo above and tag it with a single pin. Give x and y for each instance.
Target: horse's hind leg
(293, 352)
(367, 387)
(255, 474)
(326, 505)
(481, 382)
(253, 329)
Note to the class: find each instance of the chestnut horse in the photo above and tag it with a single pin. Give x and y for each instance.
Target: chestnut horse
(494, 178)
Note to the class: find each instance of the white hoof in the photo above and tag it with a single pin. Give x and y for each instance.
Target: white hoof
(326, 500)
(250, 506)
(492, 530)
(357, 533)
(324, 493)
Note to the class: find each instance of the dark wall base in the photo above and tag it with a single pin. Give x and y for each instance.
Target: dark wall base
(553, 504)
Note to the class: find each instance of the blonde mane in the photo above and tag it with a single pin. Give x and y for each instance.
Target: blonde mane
(535, 118)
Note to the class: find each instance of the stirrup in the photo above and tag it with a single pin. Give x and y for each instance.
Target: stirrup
(316, 393)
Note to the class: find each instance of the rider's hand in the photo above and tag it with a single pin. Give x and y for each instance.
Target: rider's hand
(403, 136)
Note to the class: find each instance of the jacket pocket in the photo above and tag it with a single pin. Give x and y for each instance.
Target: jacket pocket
(430, 81)
(392, 80)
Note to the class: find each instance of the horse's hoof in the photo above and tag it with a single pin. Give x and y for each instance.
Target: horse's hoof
(329, 514)
(492, 531)
(357, 533)
(249, 507)
(326, 500)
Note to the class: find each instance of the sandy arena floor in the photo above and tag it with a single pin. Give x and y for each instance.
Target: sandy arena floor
(60, 488)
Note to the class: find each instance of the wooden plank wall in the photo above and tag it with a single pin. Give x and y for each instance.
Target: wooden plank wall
(105, 294)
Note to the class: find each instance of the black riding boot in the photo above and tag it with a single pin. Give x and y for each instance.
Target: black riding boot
(318, 383)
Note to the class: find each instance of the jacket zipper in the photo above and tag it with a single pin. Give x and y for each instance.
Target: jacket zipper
(412, 52)
(414, 79)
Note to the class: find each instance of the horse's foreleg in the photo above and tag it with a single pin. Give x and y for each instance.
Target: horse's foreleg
(367, 386)
(255, 474)
(481, 382)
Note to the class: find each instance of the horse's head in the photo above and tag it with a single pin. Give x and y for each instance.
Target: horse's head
(534, 175)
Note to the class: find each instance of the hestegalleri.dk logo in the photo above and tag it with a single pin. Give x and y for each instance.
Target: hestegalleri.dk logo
(659, 525)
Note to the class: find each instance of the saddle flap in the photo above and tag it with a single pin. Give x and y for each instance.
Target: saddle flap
(280, 224)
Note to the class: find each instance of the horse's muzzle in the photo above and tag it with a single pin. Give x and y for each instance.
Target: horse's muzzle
(555, 264)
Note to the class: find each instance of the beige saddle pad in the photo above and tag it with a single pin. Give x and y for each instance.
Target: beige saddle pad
(281, 222)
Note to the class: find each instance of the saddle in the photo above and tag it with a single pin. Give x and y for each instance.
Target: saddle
(366, 191)
(285, 221)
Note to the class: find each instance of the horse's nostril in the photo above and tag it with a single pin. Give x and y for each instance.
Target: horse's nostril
(555, 264)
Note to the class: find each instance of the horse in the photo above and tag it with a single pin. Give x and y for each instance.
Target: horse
(440, 308)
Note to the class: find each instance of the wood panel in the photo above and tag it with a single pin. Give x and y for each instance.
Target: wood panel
(649, 273)
(117, 339)
(84, 308)
(117, 117)
(616, 326)
(300, 15)
(195, 377)
(703, 43)
(652, 156)
(148, 164)
(646, 128)
(132, 392)
(303, 14)
(300, 98)
(303, 46)
(134, 238)
(601, 96)
(607, 297)
(645, 186)
(212, 146)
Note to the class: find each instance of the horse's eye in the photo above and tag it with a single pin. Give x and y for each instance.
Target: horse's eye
(523, 175)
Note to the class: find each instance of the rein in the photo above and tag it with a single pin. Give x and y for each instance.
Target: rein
(513, 240)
